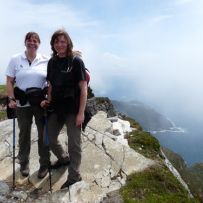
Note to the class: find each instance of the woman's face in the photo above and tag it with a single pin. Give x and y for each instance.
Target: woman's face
(32, 44)
(60, 45)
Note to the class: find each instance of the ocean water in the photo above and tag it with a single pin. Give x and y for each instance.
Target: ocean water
(186, 141)
(185, 137)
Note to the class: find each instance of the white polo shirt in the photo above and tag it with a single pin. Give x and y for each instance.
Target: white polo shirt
(26, 75)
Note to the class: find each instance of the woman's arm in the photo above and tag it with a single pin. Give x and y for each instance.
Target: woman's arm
(49, 91)
(83, 100)
(10, 91)
(46, 103)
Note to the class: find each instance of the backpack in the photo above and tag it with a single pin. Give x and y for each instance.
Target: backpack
(87, 72)
(88, 113)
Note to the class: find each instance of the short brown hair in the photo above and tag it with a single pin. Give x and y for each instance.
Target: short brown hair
(32, 34)
(58, 33)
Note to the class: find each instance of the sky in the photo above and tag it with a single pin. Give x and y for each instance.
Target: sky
(145, 50)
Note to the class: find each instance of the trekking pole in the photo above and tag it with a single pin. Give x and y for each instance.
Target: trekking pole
(11, 114)
(13, 153)
(46, 142)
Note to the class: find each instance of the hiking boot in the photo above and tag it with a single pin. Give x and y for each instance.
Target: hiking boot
(70, 182)
(24, 169)
(43, 170)
(60, 163)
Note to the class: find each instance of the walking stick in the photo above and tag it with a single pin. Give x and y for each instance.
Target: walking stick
(46, 142)
(11, 114)
(14, 133)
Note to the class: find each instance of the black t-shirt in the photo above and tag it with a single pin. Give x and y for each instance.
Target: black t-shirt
(64, 74)
(65, 64)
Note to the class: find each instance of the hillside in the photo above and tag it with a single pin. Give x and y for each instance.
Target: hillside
(148, 118)
(193, 175)
(2, 102)
(2, 93)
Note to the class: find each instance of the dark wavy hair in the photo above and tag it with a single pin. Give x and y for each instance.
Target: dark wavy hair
(58, 33)
(32, 34)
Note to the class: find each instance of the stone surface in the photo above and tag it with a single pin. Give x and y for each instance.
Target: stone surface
(96, 104)
(4, 188)
(106, 162)
(100, 122)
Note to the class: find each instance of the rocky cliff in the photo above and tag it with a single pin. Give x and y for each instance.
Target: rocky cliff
(192, 175)
(106, 163)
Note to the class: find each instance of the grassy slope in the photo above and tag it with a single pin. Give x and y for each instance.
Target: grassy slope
(193, 175)
(3, 89)
(2, 94)
(156, 184)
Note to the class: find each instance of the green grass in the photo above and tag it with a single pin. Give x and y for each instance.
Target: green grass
(3, 115)
(193, 176)
(154, 185)
(3, 89)
(2, 101)
(144, 143)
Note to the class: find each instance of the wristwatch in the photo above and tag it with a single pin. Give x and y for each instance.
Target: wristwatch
(11, 99)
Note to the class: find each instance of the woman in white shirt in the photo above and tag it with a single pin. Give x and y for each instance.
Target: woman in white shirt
(27, 70)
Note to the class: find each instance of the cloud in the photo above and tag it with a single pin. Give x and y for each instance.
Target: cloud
(160, 18)
(50, 15)
(183, 2)
(152, 55)
(19, 17)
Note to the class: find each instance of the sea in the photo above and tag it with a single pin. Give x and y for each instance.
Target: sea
(186, 140)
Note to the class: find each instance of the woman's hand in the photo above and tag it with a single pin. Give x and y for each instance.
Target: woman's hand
(45, 103)
(12, 104)
(79, 119)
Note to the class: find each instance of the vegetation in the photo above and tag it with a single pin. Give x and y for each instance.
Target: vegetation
(3, 115)
(177, 161)
(90, 92)
(3, 89)
(2, 101)
(145, 143)
(145, 115)
(193, 175)
(156, 184)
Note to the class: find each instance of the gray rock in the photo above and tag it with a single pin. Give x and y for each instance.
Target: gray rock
(113, 197)
(140, 161)
(21, 195)
(100, 122)
(4, 188)
(3, 199)
(104, 168)
(96, 104)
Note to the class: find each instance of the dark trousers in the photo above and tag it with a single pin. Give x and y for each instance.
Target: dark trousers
(24, 117)
(74, 142)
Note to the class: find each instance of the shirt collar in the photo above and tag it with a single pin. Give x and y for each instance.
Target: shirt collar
(25, 57)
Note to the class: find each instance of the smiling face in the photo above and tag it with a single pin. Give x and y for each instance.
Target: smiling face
(61, 45)
(32, 43)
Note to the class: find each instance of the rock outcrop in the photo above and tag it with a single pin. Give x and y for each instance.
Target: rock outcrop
(96, 104)
(107, 160)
